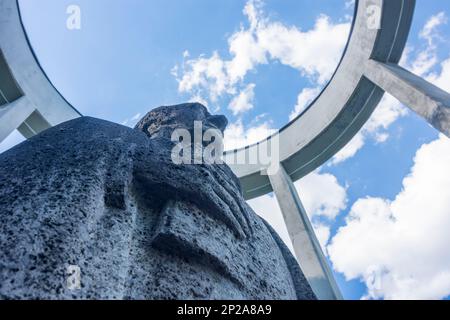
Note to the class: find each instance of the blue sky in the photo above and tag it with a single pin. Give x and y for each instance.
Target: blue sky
(260, 62)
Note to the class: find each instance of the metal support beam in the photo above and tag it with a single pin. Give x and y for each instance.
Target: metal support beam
(424, 98)
(306, 246)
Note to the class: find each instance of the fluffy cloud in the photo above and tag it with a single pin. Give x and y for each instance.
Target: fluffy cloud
(389, 109)
(306, 96)
(427, 58)
(322, 232)
(428, 31)
(204, 74)
(267, 207)
(399, 248)
(387, 112)
(313, 53)
(131, 122)
(13, 139)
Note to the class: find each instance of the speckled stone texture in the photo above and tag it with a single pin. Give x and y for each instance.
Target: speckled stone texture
(108, 199)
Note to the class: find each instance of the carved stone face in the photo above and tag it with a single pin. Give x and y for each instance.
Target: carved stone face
(162, 121)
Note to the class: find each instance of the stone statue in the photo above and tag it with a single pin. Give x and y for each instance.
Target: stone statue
(92, 209)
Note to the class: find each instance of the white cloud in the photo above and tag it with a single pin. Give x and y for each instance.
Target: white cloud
(429, 30)
(323, 198)
(247, 54)
(350, 149)
(399, 248)
(237, 136)
(349, 4)
(243, 101)
(204, 74)
(428, 58)
(389, 109)
(267, 207)
(199, 99)
(387, 112)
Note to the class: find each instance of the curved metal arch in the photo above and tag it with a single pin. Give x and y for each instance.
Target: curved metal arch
(345, 104)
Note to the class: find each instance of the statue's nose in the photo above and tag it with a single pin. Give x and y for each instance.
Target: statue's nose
(220, 121)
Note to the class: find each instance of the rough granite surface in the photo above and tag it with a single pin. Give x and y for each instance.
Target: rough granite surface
(108, 199)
